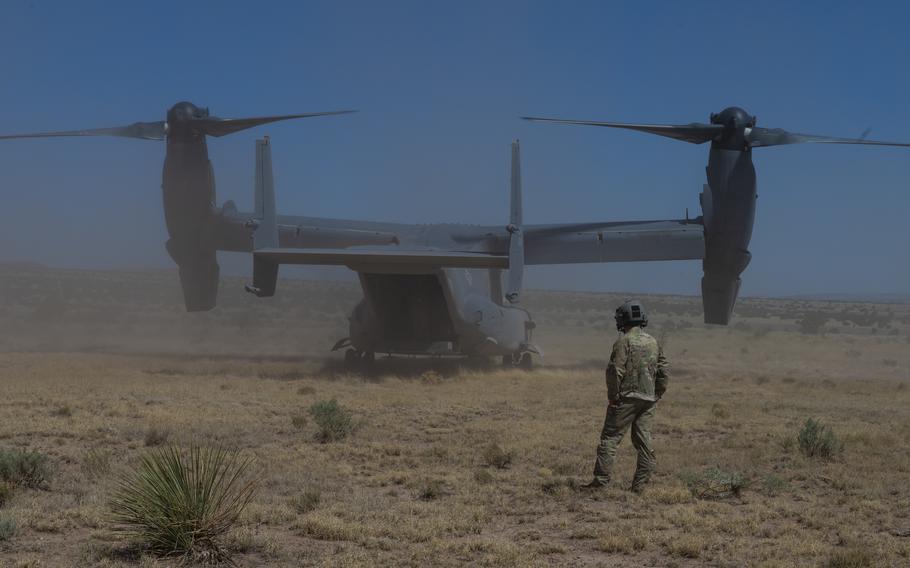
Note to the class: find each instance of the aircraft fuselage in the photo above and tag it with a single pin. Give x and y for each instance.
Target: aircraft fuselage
(446, 311)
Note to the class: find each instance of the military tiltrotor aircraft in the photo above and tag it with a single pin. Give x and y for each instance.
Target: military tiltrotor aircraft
(445, 289)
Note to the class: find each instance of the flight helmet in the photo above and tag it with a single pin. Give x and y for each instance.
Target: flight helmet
(631, 312)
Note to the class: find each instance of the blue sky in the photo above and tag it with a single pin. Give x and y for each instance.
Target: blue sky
(439, 86)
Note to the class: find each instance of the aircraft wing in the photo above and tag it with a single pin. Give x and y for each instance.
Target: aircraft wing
(230, 232)
(383, 257)
(614, 242)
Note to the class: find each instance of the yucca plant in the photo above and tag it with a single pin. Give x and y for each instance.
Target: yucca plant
(178, 503)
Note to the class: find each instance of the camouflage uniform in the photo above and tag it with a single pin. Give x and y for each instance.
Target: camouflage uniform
(636, 379)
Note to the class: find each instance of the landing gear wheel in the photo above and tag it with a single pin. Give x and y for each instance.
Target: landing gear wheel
(359, 361)
(351, 359)
(368, 362)
(525, 363)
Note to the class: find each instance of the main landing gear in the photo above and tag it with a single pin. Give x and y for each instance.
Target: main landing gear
(518, 360)
(355, 360)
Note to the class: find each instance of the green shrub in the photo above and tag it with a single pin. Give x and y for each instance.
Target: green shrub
(306, 501)
(299, 421)
(24, 468)
(483, 477)
(178, 503)
(774, 484)
(63, 411)
(6, 492)
(787, 443)
(431, 489)
(851, 558)
(715, 483)
(335, 422)
(8, 529)
(96, 463)
(818, 440)
(495, 456)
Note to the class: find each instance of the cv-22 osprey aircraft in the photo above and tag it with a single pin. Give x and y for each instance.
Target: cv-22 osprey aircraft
(446, 288)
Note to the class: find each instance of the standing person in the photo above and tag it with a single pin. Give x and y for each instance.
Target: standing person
(636, 380)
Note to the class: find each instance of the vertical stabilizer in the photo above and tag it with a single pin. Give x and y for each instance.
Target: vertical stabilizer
(516, 237)
(265, 272)
(515, 214)
(266, 235)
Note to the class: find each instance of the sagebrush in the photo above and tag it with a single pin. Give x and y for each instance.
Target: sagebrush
(818, 440)
(335, 422)
(495, 456)
(307, 501)
(8, 529)
(25, 469)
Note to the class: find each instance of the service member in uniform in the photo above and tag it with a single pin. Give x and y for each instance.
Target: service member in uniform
(636, 380)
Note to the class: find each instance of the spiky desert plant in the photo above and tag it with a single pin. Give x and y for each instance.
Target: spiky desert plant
(177, 503)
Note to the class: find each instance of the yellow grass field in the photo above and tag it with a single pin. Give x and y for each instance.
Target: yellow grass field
(455, 464)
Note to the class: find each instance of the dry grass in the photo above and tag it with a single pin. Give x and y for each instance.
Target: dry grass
(417, 485)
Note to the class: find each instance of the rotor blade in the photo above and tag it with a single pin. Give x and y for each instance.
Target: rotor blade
(142, 130)
(779, 137)
(214, 126)
(694, 133)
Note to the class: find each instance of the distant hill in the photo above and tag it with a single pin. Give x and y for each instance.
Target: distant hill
(863, 298)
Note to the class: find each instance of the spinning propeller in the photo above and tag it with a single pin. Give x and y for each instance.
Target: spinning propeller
(731, 128)
(182, 118)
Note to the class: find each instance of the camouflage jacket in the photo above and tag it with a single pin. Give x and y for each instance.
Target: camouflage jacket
(638, 368)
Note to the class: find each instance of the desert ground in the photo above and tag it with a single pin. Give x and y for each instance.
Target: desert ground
(451, 463)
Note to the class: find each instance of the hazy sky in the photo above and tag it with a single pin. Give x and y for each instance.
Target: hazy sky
(439, 86)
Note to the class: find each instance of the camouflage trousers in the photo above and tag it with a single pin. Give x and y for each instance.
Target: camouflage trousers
(638, 414)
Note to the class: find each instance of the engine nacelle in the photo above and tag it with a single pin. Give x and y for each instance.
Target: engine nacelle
(188, 189)
(728, 206)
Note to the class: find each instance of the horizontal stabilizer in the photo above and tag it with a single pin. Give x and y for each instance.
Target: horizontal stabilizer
(383, 258)
(614, 242)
